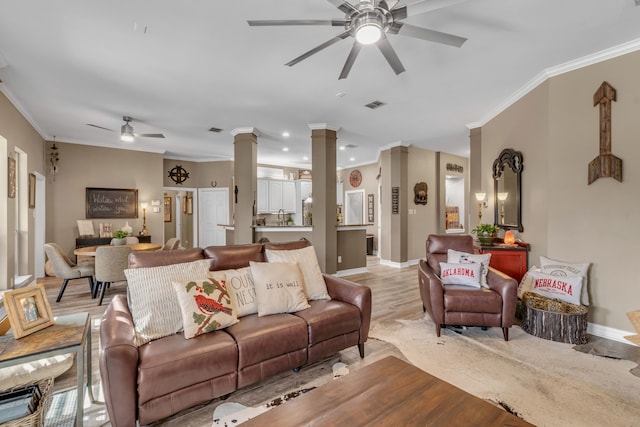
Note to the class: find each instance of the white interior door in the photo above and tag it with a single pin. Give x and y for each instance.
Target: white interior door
(213, 211)
(354, 207)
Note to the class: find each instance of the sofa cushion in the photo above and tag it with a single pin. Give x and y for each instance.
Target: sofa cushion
(314, 286)
(263, 338)
(469, 300)
(152, 301)
(233, 256)
(205, 305)
(287, 246)
(174, 363)
(279, 287)
(242, 290)
(139, 259)
(329, 319)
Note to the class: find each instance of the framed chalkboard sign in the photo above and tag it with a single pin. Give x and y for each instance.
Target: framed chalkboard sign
(112, 203)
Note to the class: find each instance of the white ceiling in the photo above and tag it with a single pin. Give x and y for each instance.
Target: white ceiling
(179, 67)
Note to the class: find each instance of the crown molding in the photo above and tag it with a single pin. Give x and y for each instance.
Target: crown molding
(318, 126)
(238, 131)
(584, 61)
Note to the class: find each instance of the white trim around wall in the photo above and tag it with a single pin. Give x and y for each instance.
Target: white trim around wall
(609, 333)
(351, 271)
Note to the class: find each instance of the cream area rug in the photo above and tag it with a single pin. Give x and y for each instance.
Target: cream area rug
(544, 382)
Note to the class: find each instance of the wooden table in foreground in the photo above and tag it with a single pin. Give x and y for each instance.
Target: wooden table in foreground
(91, 250)
(388, 392)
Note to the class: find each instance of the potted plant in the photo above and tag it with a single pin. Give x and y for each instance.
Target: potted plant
(486, 233)
(119, 238)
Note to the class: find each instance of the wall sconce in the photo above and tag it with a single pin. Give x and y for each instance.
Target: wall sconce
(502, 197)
(144, 231)
(54, 158)
(480, 198)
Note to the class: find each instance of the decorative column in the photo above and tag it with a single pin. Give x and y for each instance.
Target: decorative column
(245, 154)
(399, 194)
(323, 164)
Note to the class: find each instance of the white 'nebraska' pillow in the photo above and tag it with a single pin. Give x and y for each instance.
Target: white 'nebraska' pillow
(566, 269)
(567, 288)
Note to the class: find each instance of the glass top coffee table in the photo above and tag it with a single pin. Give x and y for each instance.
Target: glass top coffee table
(70, 334)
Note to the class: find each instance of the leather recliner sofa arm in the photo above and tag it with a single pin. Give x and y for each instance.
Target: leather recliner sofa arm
(352, 293)
(119, 363)
(507, 287)
(431, 291)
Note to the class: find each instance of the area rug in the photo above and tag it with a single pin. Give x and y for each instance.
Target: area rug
(230, 414)
(544, 382)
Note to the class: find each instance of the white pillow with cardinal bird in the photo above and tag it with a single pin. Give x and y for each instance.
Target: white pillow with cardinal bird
(205, 305)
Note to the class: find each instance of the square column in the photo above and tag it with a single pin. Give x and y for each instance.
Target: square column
(245, 154)
(323, 163)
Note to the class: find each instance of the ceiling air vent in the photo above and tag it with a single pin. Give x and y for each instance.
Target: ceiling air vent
(375, 104)
(216, 130)
(350, 146)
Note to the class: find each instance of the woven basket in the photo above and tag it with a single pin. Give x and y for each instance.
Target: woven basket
(37, 418)
(552, 304)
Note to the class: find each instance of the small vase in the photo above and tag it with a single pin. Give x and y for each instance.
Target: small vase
(119, 242)
(127, 228)
(487, 240)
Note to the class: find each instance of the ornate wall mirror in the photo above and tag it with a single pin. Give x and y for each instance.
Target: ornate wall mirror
(507, 185)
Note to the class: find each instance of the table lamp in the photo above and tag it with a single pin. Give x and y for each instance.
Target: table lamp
(144, 231)
(480, 198)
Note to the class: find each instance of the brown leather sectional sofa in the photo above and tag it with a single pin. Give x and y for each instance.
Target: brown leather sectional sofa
(165, 376)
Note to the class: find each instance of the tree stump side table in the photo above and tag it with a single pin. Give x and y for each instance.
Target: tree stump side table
(553, 319)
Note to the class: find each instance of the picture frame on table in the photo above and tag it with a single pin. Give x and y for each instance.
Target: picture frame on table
(32, 191)
(28, 310)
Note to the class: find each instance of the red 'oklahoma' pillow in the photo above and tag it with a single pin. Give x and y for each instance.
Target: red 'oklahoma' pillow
(466, 274)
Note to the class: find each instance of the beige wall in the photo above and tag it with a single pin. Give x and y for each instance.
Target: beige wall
(556, 128)
(421, 168)
(84, 166)
(16, 132)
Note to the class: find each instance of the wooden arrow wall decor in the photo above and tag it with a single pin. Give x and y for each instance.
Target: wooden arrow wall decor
(606, 164)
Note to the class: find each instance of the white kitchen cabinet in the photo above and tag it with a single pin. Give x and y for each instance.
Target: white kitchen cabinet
(263, 196)
(339, 193)
(289, 196)
(275, 194)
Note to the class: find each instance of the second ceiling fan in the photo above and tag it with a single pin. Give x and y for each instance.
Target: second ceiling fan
(369, 22)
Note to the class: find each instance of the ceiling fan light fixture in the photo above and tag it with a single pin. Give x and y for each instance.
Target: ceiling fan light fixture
(126, 133)
(368, 27)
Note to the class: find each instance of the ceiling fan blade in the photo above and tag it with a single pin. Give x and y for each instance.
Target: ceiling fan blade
(99, 127)
(429, 35)
(149, 135)
(317, 49)
(422, 7)
(390, 55)
(343, 6)
(388, 4)
(350, 60)
(290, 22)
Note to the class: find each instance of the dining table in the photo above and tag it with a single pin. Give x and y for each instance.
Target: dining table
(143, 247)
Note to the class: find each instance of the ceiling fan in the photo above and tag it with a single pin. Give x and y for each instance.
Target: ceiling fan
(126, 131)
(369, 22)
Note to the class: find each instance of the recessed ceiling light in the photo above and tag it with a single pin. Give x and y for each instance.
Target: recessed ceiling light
(305, 158)
(352, 159)
(341, 94)
(285, 134)
(342, 148)
(285, 148)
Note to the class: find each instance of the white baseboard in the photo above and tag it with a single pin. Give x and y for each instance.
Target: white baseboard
(609, 333)
(399, 264)
(351, 272)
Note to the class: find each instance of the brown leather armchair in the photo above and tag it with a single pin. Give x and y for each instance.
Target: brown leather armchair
(464, 305)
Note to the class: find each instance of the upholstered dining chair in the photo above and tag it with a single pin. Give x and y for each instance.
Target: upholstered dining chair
(171, 244)
(132, 240)
(111, 261)
(463, 305)
(67, 270)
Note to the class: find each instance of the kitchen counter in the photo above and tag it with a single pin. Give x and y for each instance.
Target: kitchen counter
(279, 228)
